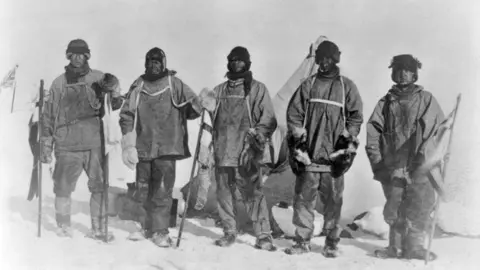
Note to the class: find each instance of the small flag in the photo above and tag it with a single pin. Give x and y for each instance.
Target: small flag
(9, 79)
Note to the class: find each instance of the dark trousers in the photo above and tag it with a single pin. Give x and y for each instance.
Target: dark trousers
(308, 186)
(228, 180)
(154, 188)
(68, 168)
(408, 210)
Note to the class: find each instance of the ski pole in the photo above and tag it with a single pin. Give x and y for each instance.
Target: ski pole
(195, 157)
(39, 163)
(106, 175)
(106, 184)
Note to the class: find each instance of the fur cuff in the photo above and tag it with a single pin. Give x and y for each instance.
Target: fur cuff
(302, 157)
(297, 132)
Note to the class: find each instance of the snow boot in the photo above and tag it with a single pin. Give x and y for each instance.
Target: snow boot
(414, 247)
(97, 231)
(419, 254)
(162, 240)
(276, 234)
(388, 252)
(331, 247)
(265, 242)
(64, 230)
(62, 216)
(395, 244)
(140, 234)
(300, 247)
(227, 240)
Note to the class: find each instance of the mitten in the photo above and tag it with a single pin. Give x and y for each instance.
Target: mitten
(208, 100)
(129, 151)
(130, 157)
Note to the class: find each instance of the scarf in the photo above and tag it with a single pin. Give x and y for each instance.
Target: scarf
(404, 92)
(74, 73)
(149, 77)
(247, 76)
(330, 74)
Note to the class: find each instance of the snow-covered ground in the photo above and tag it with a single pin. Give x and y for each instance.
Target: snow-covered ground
(22, 249)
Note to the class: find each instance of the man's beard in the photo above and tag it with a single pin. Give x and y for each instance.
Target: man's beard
(325, 68)
(154, 70)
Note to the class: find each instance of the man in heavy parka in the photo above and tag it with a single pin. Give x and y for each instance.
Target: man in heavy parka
(326, 106)
(72, 129)
(243, 120)
(156, 110)
(402, 123)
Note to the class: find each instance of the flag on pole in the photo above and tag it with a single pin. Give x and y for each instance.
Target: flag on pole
(9, 81)
(436, 162)
(437, 151)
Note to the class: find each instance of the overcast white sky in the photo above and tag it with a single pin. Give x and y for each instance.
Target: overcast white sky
(197, 36)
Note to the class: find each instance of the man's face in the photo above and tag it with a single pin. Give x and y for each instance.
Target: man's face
(325, 64)
(155, 66)
(77, 60)
(236, 66)
(403, 77)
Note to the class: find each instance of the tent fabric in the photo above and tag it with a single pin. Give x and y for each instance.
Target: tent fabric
(307, 67)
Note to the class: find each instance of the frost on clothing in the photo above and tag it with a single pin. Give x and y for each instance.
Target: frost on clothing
(162, 126)
(71, 114)
(324, 122)
(398, 131)
(231, 121)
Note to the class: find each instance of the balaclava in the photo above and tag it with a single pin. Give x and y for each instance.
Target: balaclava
(240, 53)
(159, 55)
(328, 49)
